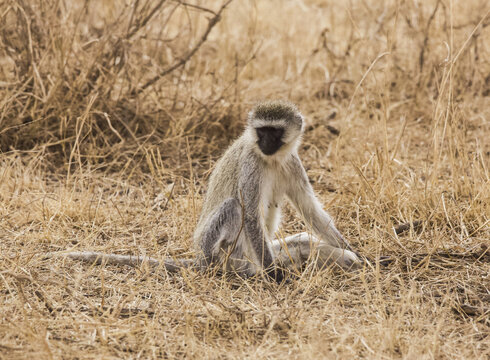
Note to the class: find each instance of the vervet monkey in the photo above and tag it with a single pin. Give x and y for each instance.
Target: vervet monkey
(242, 207)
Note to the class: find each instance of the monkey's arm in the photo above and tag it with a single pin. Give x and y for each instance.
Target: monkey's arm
(99, 258)
(303, 198)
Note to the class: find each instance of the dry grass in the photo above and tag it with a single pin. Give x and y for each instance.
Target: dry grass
(397, 97)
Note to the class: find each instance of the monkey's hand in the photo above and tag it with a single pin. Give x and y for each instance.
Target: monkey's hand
(277, 274)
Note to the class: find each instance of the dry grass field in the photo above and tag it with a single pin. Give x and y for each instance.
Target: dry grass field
(113, 113)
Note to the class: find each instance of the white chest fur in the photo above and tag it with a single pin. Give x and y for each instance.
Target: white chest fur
(272, 197)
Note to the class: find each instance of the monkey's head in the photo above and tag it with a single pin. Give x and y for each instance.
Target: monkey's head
(275, 126)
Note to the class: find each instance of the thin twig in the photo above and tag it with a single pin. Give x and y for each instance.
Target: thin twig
(426, 36)
(197, 7)
(212, 22)
(364, 77)
(143, 22)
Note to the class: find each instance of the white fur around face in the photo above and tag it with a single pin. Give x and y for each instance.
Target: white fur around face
(291, 131)
(291, 139)
(257, 123)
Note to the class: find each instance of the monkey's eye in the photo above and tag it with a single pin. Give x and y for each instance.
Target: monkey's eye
(269, 132)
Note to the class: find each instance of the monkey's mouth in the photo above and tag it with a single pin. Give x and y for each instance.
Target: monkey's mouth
(270, 139)
(269, 149)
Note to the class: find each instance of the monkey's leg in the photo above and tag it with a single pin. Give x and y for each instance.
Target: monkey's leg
(297, 249)
(220, 239)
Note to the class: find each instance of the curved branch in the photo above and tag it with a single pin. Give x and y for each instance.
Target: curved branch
(212, 22)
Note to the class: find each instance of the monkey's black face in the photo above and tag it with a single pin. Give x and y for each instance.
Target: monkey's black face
(270, 139)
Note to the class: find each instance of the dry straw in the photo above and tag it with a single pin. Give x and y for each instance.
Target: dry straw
(112, 114)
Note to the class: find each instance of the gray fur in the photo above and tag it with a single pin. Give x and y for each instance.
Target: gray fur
(277, 110)
(260, 183)
(99, 258)
(296, 250)
(221, 231)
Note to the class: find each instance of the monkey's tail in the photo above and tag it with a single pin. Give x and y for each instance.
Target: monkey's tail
(94, 257)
